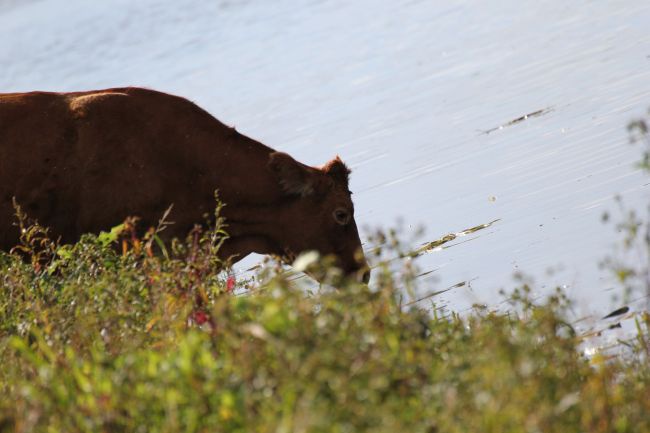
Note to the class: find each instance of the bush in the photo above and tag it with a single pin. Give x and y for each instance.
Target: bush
(96, 340)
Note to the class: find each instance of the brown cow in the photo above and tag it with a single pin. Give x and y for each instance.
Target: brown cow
(80, 162)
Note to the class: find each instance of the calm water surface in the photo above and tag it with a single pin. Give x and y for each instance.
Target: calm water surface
(404, 91)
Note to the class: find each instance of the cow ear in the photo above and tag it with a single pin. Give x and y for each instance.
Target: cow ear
(338, 171)
(294, 178)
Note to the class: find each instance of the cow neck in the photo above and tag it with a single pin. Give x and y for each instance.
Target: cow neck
(252, 220)
(254, 229)
(236, 248)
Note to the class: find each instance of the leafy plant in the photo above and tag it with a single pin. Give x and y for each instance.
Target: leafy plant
(631, 266)
(128, 341)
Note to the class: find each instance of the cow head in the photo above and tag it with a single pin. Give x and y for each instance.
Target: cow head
(319, 212)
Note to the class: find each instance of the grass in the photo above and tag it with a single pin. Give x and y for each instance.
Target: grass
(95, 340)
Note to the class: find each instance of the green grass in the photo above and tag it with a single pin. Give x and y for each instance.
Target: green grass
(95, 340)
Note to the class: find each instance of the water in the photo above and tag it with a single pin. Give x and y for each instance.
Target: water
(404, 91)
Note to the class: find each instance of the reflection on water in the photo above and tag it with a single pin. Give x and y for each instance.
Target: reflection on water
(437, 245)
(519, 119)
(399, 89)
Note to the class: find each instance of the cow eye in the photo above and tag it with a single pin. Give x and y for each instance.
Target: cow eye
(342, 216)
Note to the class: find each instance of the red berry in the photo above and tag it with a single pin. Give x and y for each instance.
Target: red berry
(230, 283)
(200, 317)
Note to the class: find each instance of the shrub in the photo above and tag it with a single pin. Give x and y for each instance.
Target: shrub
(96, 340)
